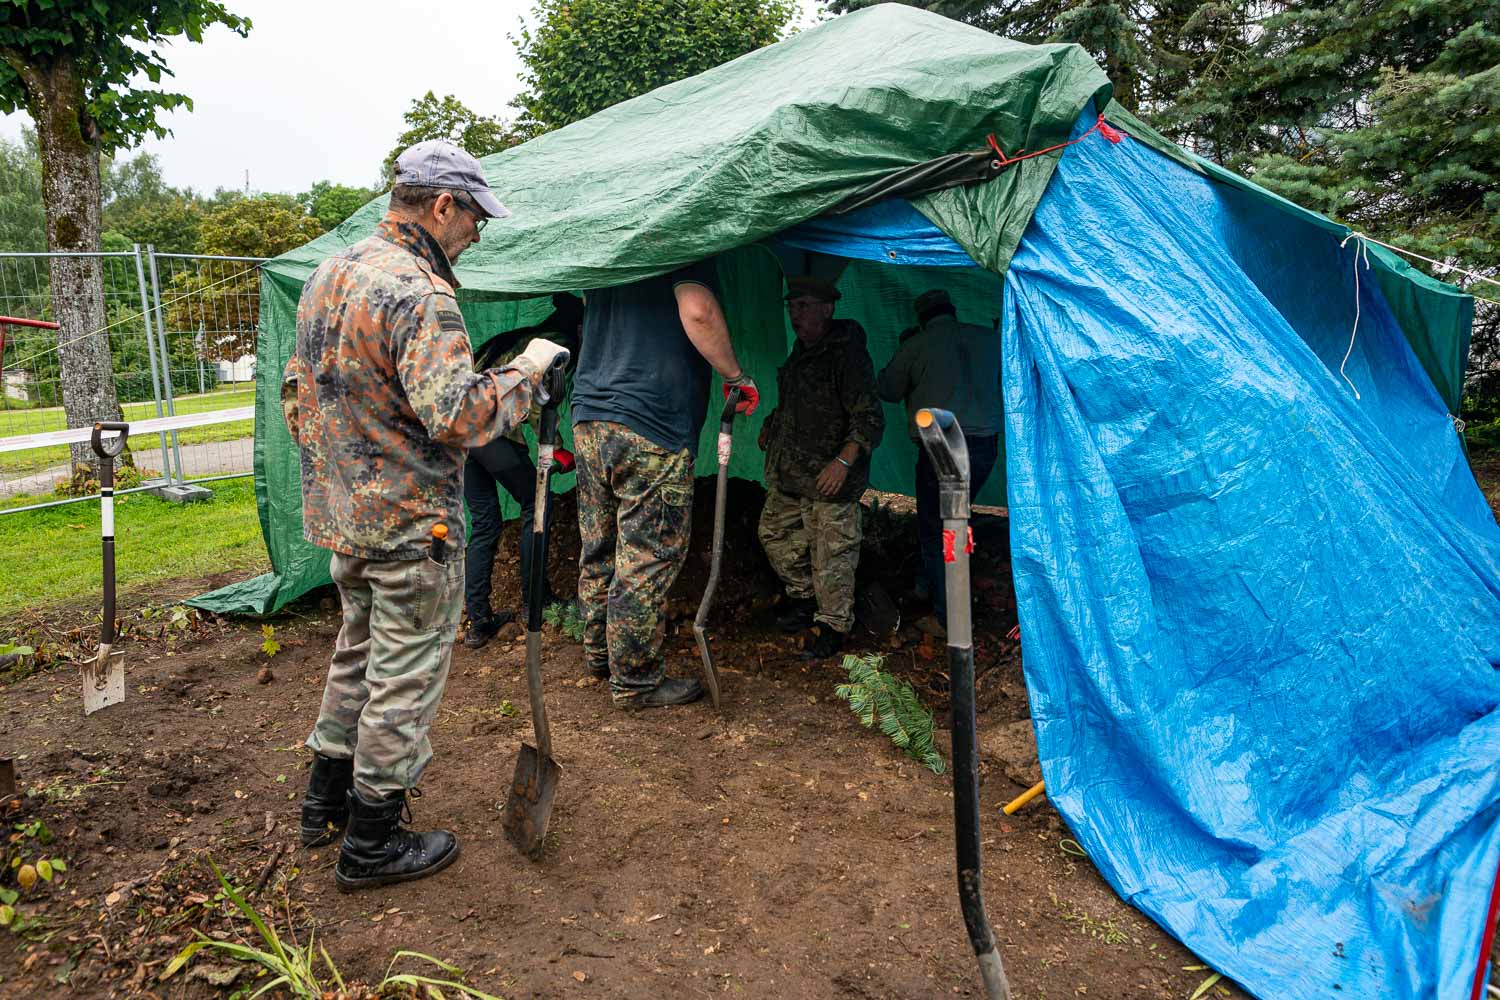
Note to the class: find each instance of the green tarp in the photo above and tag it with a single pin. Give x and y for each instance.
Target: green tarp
(713, 165)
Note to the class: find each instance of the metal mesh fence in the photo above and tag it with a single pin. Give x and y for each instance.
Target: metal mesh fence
(181, 334)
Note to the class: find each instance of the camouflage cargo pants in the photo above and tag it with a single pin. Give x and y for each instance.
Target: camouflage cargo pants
(390, 665)
(635, 513)
(813, 546)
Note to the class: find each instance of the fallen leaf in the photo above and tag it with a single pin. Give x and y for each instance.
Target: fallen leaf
(214, 975)
(112, 899)
(654, 917)
(581, 976)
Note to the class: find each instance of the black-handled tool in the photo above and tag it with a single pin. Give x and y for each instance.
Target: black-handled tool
(944, 441)
(721, 491)
(104, 677)
(533, 788)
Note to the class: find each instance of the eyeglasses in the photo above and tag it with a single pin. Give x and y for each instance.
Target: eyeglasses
(480, 219)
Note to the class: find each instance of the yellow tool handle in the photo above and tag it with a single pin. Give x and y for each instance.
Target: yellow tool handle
(1024, 797)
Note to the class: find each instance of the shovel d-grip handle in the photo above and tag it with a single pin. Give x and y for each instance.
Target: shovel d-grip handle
(943, 440)
(726, 416)
(554, 382)
(949, 454)
(116, 444)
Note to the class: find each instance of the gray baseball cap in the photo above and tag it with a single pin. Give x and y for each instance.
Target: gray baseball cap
(436, 163)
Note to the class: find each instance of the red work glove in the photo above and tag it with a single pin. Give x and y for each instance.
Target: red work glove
(562, 460)
(749, 395)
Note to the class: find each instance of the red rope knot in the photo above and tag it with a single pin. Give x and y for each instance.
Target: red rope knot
(1100, 125)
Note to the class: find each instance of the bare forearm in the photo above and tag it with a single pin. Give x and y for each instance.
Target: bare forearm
(711, 338)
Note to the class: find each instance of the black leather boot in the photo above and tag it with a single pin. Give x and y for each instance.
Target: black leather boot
(325, 807)
(378, 851)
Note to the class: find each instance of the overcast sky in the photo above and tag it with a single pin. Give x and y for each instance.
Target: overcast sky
(318, 88)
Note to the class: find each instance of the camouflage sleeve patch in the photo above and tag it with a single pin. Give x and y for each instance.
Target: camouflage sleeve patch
(450, 321)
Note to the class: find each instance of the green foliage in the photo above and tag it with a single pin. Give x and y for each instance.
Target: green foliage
(874, 696)
(1148, 48)
(115, 47)
(295, 968)
(262, 226)
(23, 225)
(566, 618)
(269, 645)
(586, 55)
(331, 203)
(26, 870)
(449, 119)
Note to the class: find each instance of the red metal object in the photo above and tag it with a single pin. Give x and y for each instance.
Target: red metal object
(38, 324)
(1486, 940)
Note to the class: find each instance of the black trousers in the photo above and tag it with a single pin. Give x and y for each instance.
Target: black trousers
(507, 464)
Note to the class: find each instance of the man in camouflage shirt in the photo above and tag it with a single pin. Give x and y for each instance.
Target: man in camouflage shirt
(382, 400)
(818, 442)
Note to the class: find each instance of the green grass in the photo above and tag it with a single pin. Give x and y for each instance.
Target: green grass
(52, 419)
(51, 557)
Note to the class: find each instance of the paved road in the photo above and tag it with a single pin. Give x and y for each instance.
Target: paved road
(212, 459)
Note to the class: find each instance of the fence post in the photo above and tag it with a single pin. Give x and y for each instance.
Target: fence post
(166, 360)
(140, 278)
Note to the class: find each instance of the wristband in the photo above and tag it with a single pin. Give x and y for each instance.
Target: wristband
(840, 459)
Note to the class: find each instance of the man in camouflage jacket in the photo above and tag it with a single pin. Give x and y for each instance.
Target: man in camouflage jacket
(382, 400)
(818, 442)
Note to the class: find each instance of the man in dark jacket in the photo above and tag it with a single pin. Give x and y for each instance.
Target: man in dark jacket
(818, 443)
(506, 462)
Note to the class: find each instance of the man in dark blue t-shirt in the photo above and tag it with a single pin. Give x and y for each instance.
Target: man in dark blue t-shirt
(639, 398)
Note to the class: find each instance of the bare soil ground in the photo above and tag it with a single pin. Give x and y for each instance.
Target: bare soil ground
(775, 848)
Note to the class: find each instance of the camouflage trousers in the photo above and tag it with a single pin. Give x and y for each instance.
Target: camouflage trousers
(635, 513)
(390, 665)
(813, 545)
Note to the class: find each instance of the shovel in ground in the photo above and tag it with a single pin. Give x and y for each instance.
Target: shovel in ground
(944, 441)
(700, 622)
(104, 676)
(534, 786)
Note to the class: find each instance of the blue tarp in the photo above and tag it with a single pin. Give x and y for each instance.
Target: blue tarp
(890, 231)
(1261, 614)
(1260, 597)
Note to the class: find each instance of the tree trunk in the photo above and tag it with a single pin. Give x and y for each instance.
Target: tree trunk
(69, 141)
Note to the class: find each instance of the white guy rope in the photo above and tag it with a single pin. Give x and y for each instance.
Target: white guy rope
(1360, 251)
(76, 435)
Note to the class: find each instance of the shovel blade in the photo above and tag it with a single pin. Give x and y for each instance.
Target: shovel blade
(103, 680)
(710, 672)
(529, 808)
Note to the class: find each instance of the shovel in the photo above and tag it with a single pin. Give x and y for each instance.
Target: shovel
(104, 677)
(534, 786)
(944, 441)
(726, 446)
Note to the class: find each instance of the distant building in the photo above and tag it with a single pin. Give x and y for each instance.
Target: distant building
(17, 386)
(242, 370)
